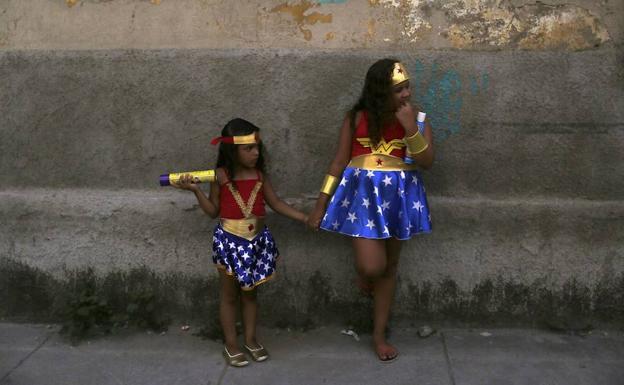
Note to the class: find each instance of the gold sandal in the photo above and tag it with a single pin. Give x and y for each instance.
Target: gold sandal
(258, 354)
(237, 360)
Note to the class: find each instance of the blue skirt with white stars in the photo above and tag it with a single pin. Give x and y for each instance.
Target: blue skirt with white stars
(249, 262)
(378, 204)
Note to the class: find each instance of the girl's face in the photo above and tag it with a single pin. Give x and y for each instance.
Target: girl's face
(248, 155)
(401, 94)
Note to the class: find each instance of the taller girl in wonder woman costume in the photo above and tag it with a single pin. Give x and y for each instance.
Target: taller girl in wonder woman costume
(371, 194)
(244, 250)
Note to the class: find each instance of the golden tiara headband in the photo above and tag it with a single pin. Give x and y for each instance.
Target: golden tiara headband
(399, 74)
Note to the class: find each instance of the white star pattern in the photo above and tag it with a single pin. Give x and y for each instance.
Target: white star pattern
(245, 256)
(232, 245)
(376, 206)
(241, 248)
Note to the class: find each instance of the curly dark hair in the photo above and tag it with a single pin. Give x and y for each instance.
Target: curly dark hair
(228, 152)
(376, 98)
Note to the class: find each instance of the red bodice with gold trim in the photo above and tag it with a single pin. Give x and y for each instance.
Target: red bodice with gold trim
(391, 143)
(229, 208)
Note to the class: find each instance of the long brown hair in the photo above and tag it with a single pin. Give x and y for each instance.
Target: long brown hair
(376, 98)
(228, 156)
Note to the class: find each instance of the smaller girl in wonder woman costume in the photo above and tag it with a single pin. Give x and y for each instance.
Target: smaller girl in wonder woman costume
(244, 251)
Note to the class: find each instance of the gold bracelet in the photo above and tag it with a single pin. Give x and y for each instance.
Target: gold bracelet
(416, 144)
(329, 184)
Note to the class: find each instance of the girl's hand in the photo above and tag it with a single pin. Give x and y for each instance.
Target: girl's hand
(186, 183)
(314, 219)
(406, 114)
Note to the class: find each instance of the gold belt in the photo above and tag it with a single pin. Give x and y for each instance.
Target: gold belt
(380, 162)
(246, 228)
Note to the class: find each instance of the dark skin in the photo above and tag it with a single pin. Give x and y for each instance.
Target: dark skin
(376, 260)
(247, 155)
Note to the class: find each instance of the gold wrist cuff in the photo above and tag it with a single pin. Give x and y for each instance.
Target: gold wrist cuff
(416, 144)
(329, 184)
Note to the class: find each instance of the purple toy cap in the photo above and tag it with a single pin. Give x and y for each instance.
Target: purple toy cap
(164, 180)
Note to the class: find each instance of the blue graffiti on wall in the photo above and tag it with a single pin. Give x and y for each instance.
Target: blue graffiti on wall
(440, 94)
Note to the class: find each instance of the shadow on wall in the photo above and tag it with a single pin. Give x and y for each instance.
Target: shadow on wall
(86, 303)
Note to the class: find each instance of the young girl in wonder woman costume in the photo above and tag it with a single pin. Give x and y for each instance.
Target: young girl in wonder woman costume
(243, 248)
(376, 197)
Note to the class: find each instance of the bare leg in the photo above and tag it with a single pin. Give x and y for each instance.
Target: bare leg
(227, 310)
(383, 293)
(249, 306)
(376, 261)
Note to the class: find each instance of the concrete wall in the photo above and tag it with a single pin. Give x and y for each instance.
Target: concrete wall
(526, 99)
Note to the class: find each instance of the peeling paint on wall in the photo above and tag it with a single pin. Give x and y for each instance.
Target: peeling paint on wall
(298, 13)
(71, 3)
(573, 28)
(339, 24)
(492, 23)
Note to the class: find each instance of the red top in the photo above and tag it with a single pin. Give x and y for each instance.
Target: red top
(390, 131)
(229, 208)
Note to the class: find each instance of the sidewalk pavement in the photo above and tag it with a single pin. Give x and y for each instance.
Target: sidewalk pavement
(37, 355)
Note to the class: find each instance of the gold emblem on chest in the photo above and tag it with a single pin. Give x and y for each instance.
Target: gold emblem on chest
(382, 147)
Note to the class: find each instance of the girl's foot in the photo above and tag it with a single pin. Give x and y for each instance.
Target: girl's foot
(237, 360)
(257, 351)
(385, 351)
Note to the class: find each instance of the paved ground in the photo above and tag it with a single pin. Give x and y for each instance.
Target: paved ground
(37, 355)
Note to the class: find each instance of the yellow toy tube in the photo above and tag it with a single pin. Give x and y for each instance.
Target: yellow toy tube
(198, 177)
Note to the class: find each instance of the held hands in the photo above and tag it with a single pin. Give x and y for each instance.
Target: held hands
(314, 219)
(186, 182)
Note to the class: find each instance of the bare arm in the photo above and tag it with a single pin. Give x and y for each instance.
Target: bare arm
(337, 166)
(279, 206)
(406, 114)
(210, 205)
